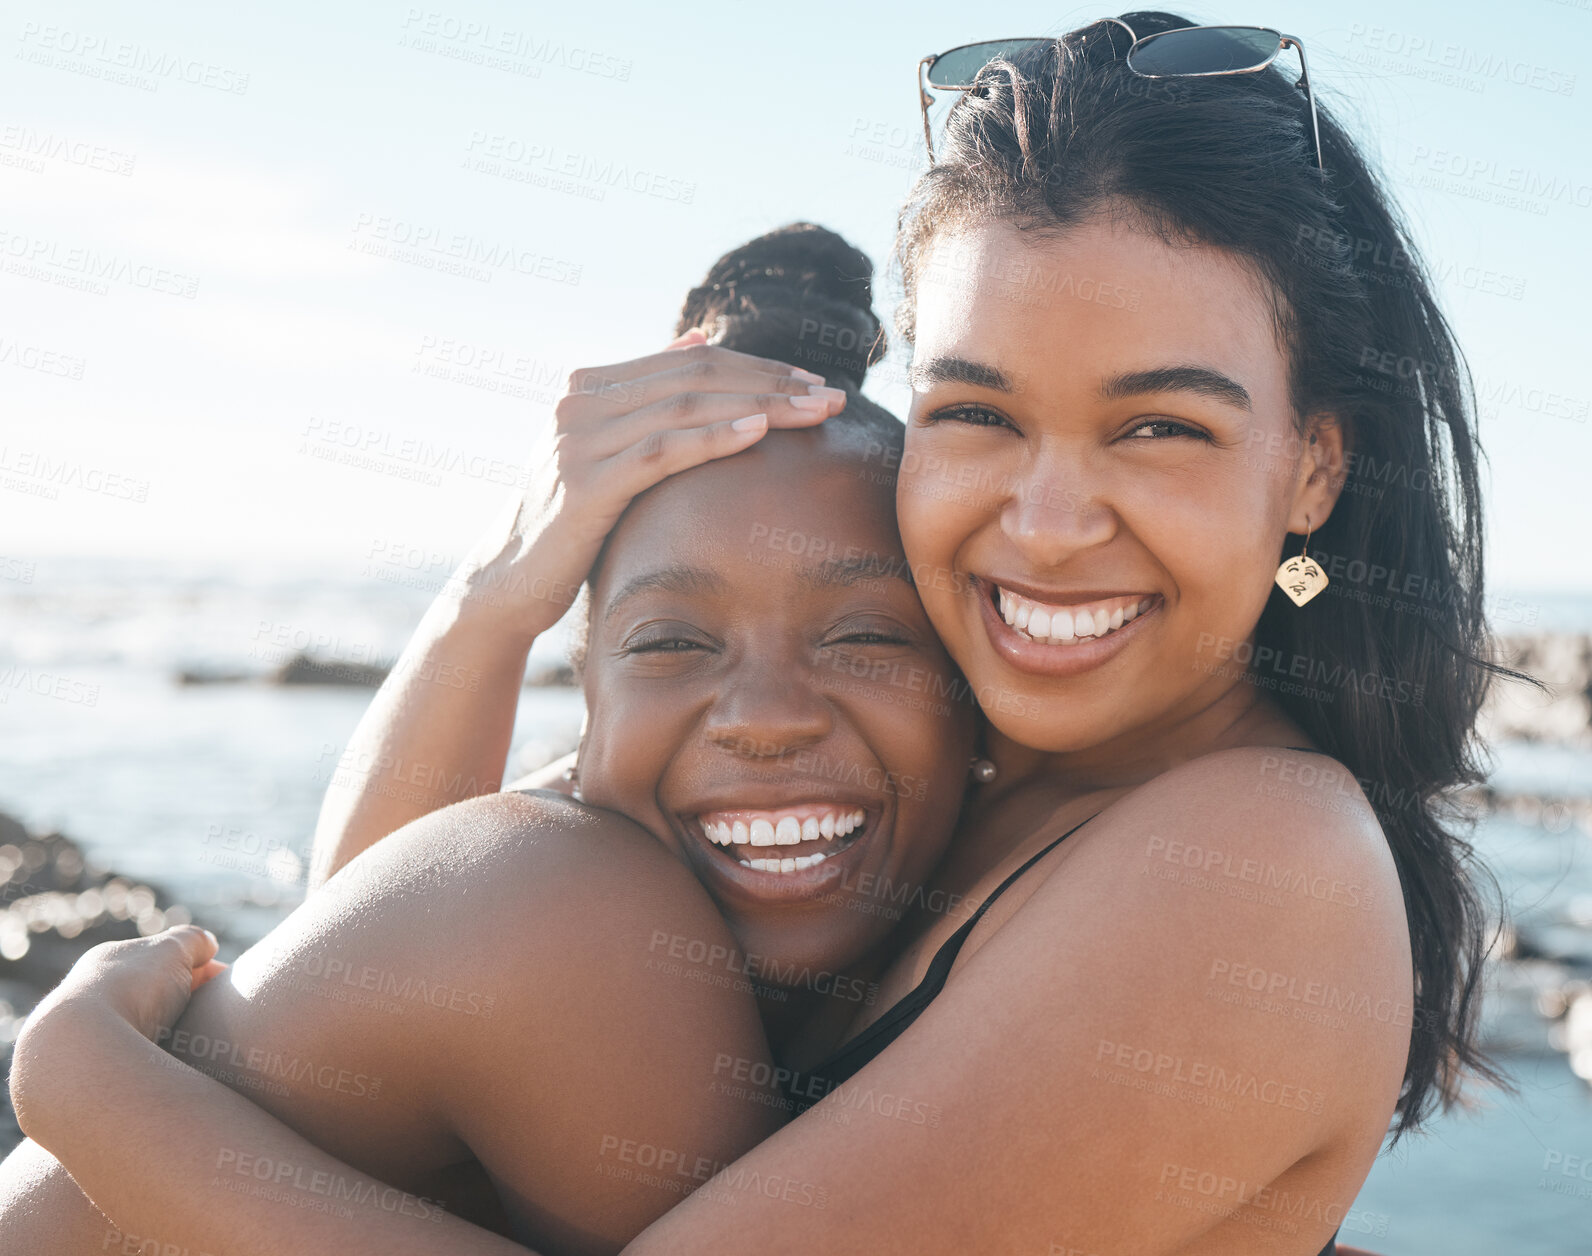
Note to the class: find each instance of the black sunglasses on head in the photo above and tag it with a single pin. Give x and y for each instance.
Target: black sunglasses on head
(1188, 52)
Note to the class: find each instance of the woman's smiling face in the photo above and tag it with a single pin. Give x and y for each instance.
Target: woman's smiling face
(763, 684)
(1102, 449)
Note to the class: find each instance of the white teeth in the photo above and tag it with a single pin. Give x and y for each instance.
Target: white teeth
(786, 865)
(785, 831)
(1056, 625)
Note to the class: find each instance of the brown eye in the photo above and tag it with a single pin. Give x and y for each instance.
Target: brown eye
(975, 416)
(1168, 428)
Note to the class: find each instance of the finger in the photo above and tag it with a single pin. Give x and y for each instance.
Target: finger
(688, 410)
(668, 452)
(616, 398)
(696, 336)
(207, 971)
(197, 946)
(586, 378)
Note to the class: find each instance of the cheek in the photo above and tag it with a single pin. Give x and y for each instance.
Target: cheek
(624, 752)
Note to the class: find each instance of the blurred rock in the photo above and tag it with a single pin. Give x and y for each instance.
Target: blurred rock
(54, 905)
(1563, 662)
(302, 669)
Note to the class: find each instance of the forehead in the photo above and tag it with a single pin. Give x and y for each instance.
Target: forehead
(760, 518)
(1069, 308)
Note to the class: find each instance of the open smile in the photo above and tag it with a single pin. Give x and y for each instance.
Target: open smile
(1060, 634)
(784, 852)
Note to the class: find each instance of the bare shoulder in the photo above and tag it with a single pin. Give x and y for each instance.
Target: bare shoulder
(495, 984)
(1267, 819)
(1252, 895)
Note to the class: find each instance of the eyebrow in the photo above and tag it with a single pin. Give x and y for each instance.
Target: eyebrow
(675, 579)
(955, 370)
(1193, 379)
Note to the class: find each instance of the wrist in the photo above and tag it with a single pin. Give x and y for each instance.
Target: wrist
(495, 603)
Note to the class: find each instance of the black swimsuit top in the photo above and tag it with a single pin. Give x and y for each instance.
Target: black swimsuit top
(804, 1089)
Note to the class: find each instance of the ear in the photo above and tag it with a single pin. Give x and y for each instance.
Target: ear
(1323, 468)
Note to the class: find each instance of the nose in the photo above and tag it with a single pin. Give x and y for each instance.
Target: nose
(768, 711)
(1050, 516)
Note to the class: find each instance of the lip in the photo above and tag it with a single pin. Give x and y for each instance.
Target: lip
(1055, 660)
(726, 876)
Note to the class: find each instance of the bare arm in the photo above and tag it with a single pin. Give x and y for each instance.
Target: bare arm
(1079, 1083)
(438, 730)
(483, 991)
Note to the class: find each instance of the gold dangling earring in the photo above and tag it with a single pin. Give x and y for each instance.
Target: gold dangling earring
(1301, 578)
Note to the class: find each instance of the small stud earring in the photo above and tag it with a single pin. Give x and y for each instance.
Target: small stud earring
(982, 770)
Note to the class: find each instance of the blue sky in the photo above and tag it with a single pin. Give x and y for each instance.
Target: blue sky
(297, 282)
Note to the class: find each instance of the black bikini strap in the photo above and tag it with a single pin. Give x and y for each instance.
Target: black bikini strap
(945, 957)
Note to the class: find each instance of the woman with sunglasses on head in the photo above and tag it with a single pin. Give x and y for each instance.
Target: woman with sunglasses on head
(1149, 362)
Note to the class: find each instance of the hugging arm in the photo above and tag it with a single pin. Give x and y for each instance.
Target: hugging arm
(1074, 1085)
(501, 1017)
(439, 728)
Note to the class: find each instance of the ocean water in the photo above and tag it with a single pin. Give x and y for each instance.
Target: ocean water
(211, 791)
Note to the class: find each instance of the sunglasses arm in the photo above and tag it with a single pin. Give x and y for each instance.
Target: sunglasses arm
(1304, 83)
(924, 101)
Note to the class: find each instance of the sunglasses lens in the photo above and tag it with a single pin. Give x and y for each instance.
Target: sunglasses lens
(1204, 50)
(960, 66)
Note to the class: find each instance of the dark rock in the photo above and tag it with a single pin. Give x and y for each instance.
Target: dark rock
(551, 674)
(54, 905)
(302, 669)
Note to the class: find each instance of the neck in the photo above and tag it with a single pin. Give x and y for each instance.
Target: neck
(1240, 716)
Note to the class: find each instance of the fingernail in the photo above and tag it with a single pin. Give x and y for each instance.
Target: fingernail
(214, 941)
(811, 404)
(806, 375)
(827, 395)
(750, 423)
